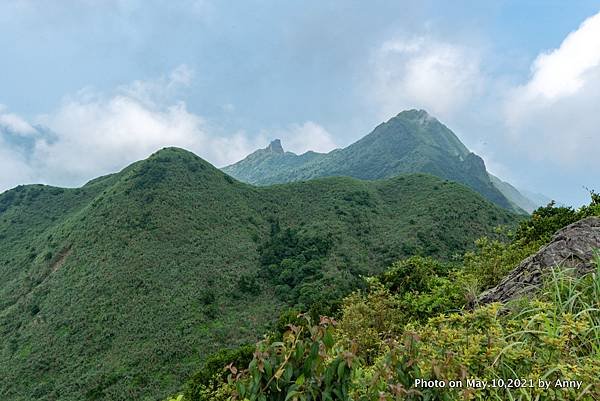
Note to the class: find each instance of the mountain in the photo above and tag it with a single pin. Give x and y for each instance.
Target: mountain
(413, 141)
(514, 195)
(260, 167)
(526, 200)
(537, 198)
(118, 289)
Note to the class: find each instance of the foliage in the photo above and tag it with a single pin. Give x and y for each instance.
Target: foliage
(555, 337)
(545, 221)
(493, 258)
(485, 266)
(410, 327)
(369, 318)
(122, 288)
(414, 274)
(205, 383)
(425, 287)
(293, 260)
(304, 366)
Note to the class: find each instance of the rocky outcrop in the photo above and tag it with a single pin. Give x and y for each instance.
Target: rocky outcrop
(275, 147)
(572, 247)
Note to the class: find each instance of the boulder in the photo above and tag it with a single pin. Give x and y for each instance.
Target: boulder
(572, 247)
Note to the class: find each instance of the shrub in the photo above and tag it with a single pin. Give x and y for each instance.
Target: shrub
(306, 365)
(206, 383)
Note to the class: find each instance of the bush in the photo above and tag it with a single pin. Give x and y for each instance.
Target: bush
(205, 384)
(555, 337)
(413, 274)
(409, 325)
(306, 365)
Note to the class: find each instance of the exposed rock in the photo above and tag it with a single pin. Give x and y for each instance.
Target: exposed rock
(572, 247)
(476, 166)
(275, 146)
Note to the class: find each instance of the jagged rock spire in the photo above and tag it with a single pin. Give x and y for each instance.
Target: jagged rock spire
(275, 146)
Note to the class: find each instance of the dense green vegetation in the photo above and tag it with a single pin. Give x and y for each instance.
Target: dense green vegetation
(120, 289)
(414, 322)
(411, 142)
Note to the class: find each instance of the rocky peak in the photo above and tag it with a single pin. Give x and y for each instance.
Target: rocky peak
(571, 247)
(275, 146)
(420, 116)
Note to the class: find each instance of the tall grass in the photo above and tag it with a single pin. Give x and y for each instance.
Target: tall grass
(564, 321)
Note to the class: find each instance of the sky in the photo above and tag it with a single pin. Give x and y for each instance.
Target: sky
(89, 86)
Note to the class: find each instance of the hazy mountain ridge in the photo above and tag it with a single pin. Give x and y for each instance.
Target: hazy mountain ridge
(537, 198)
(413, 141)
(525, 202)
(119, 288)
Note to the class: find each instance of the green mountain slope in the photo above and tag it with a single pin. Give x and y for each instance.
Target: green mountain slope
(413, 141)
(517, 198)
(259, 167)
(118, 289)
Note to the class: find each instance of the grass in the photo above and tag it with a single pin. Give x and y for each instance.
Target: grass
(120, 289)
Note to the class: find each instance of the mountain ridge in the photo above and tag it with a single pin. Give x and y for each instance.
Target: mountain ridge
(129, 281)
(412, 141)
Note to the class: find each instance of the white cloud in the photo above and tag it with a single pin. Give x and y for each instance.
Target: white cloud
(101, 135)
(154, 92)
(14, 169)
(14, 123)
(95, 133)
(423, 72)
(563, 71)
(299, 138)
(98, 133)
(554, 116)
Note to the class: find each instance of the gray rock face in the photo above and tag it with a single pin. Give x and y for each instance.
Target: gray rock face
(275, 146)
(573, 247)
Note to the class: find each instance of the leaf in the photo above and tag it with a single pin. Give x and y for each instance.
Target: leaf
(299, 351)
(289, 372)
(241, 389)
(340, 369)
(329, 376)
(328, 339)
(256, 381)
(290, 395)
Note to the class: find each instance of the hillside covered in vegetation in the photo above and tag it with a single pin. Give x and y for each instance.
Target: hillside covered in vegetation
(417, 333)
(120, 289)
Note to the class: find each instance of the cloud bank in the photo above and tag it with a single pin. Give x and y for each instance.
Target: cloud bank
(424, 72)
(13, 123)
(554, 115)
(93, 133)
(300, 138)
